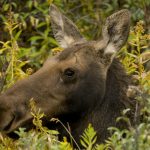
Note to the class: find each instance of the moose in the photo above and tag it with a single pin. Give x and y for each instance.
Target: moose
(85, 83)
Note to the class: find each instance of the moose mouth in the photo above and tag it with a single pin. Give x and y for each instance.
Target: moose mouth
(13, 125)
(8, 127)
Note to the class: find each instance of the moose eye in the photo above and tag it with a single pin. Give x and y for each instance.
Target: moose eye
(69, 75)
(69, 72)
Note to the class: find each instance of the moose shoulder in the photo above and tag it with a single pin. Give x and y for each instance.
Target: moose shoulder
(83, 84)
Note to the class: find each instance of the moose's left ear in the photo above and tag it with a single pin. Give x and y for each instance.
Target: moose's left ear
(115, 31)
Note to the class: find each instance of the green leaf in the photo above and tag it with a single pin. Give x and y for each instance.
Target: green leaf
(88, 139)
(35, 38)
(18, 34)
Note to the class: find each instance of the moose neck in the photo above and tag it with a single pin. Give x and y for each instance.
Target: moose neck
(116, 84)
(114, 102)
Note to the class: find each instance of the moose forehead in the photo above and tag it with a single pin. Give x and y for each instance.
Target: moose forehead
(87, 49)
(80, 55)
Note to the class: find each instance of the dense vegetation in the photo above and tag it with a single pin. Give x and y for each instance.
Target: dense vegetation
(26, 41)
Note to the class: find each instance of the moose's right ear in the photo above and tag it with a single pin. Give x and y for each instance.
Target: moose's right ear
(65, 31)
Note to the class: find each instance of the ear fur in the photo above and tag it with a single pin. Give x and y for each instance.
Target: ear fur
(115, 33)
(65, 31)
(116, 30)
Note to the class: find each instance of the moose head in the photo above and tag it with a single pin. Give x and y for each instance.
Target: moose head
(75, 83)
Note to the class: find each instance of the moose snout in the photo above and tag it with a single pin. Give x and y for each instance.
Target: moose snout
(6, 118)
(12, 115)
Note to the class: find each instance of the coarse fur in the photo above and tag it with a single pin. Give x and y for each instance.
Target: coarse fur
(83, 84)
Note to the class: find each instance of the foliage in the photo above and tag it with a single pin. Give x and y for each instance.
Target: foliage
(88, 138)
(135, 60)
(26, 41)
